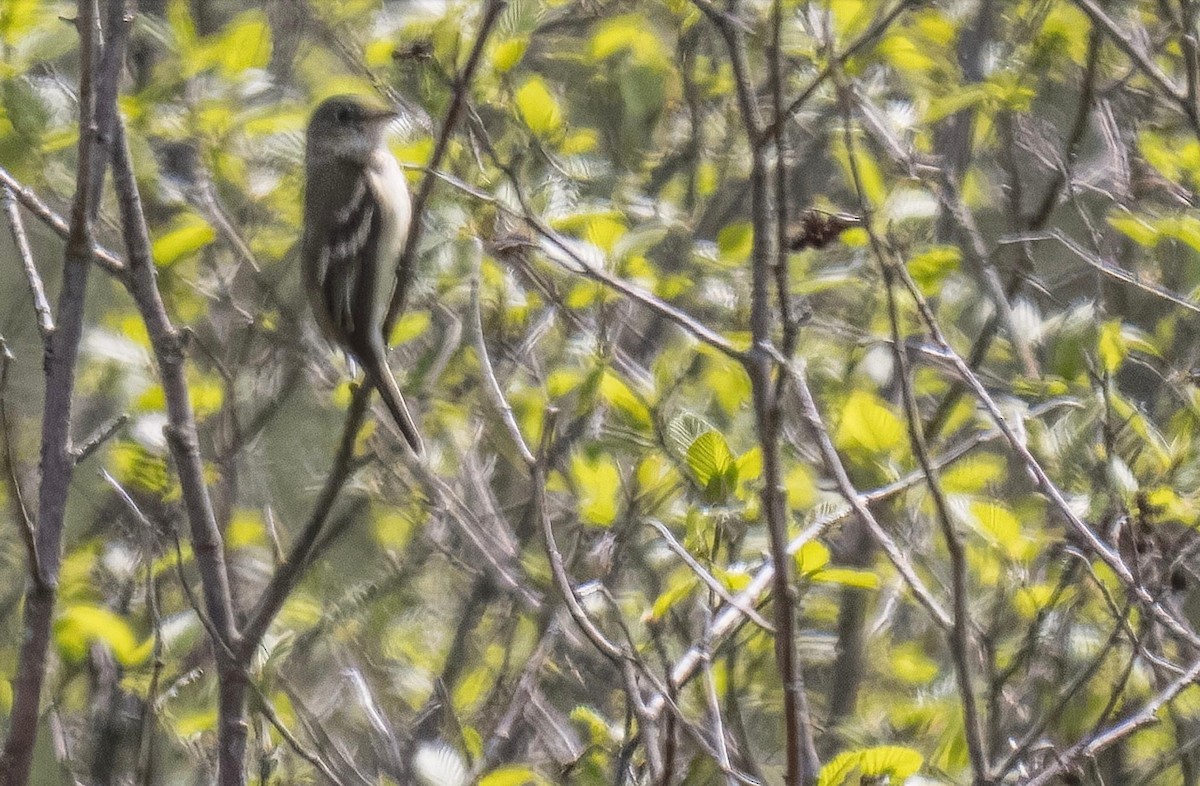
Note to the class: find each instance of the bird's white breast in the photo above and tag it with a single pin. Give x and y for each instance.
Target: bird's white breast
(387, 181)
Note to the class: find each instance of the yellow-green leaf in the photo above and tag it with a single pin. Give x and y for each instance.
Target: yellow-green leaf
(80, 626)
(244, 43)
(811, 557)
(538, 107)
(867, 425)
(513, 775)
(1111, 346)
(676, 592)
(1135, 228)
(598, 481)
(891, 761)
(409, 326)
(506, 54)
(188, 234)
(713, 465)
(615, 392)
(847, 577)
(735, 241)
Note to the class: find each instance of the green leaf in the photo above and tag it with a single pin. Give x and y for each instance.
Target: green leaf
(800, 486)
(973, 473)
(506, 54)
(891, 761)
(244, 43)
(734, 242)
(1135, 228)
(713, 466)
(599, 482)
(615, 392)
(867, 426)
(930, 267)
(1111, 346)
(632, 34)
(538, 107)
(513, 775)
(409, 326)
(911, 665)
(847, 577)
(676, 592)
(188, 234)
(999, 525)
(811, 557)
(869, 175)
(80, 626)
(17, 18)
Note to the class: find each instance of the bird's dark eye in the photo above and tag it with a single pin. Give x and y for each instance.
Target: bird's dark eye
(343, 115)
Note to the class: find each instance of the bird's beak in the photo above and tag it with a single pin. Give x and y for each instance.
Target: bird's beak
(381, 115)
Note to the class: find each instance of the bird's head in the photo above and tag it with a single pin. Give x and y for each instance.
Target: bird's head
(348, 128)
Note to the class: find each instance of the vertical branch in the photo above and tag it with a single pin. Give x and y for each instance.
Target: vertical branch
(100, 67)
(41, 305)
(759, 363)
(959, 634)
(207, 543)
(462, 84)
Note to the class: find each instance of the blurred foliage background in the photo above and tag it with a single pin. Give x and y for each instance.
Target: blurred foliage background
(1032, 169)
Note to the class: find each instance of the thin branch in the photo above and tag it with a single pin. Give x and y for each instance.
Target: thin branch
(799, 744)
(37, 291)
(1102, 739)
(959, 635)
(1124, 42)
(1109, 555)
(458, 99)
(490, 384)
(100, 65)
(104, 433)
(707, 578)
(8, 459)
(1108, 268)
(285, 578)
(108, 260)
(868, 36)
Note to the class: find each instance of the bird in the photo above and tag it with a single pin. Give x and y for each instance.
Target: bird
(357, 215)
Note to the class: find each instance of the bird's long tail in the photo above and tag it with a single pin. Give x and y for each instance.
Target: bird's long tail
(381, 377)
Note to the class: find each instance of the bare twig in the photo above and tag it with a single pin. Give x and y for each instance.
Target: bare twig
(100, 65)
(101, 435)
(1093, 744)
(207, 542)
(959, 635)
(108, 260)
(799, 745)
(8, 459)
(709, 580)
(458, 99)
(37, 291)
(1124, 42)
(1108, 268)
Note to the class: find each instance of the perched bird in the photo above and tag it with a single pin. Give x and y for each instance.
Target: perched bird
(357, 214)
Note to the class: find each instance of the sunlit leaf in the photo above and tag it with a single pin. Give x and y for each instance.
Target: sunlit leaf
(599, 484)
(506, 54)
(513, 775)
(894, 762)
(811, 557)
(78, 627)
(1111, 346)
(188, 234)
(538, 107)
(245, 43)
(713, 466)
(868, 426)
